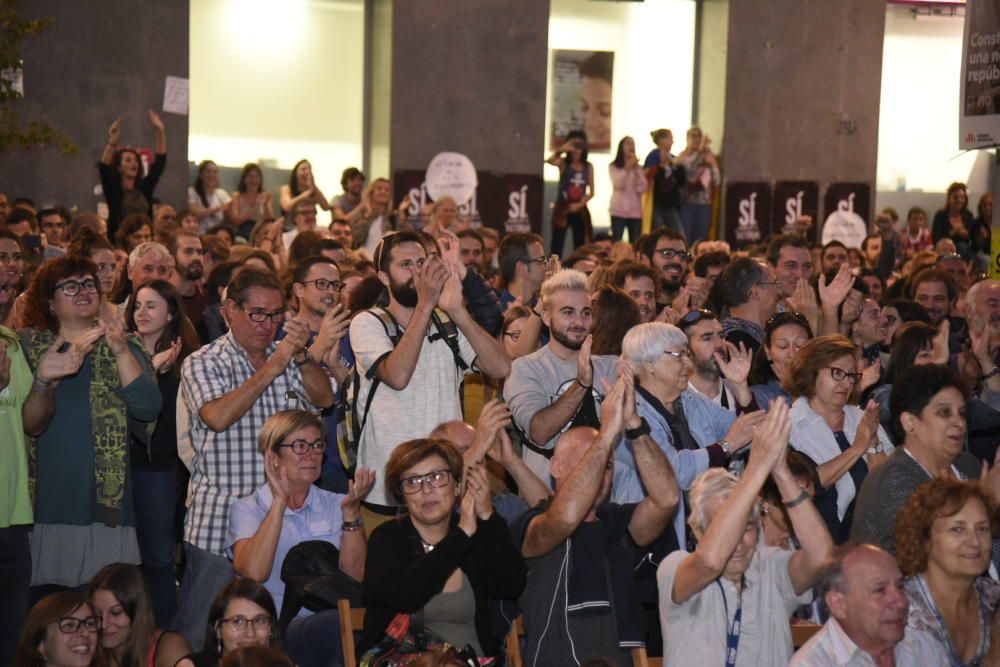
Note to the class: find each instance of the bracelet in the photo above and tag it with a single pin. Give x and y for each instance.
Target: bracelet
(348, 526)
(992, 373)
(639, 431)
(577, 380)
(798, 500)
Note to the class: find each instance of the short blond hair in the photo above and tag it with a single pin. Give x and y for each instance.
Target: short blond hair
(566, 279)
(282, 424)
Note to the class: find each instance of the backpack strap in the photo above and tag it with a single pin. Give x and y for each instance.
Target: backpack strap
(448, 330)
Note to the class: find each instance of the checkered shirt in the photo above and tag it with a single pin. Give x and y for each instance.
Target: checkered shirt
(227, 465)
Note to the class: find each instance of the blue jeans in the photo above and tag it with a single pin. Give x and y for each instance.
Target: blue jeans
(696, 218)
(205, 574)
(618, 226)
(667, 217)
(15, 575)
(314, 641)
(155, 493)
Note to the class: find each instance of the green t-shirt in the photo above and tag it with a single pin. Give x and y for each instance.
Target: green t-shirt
(15, 502)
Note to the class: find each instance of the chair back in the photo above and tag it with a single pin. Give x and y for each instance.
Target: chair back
(352, 619)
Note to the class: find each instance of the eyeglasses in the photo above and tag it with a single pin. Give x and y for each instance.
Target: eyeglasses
(322, 284)
(774, 283)
(692, 317)
(683, 354)
(435, 478)
(670, 253)
(537, 260)
(300, 447)
(514, 335)
(73, 287)
(839, 374)
(261, 622)
(276, 317)
(70, 625)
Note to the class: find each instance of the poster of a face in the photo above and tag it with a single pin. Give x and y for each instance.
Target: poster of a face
(581, 96)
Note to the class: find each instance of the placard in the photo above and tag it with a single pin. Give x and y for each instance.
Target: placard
(979, 103)
(748, 213)
(847, 210)
(792, 200)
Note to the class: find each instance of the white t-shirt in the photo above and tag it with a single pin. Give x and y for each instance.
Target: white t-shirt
(220, 196)
(694, 632)
(430, 398)
(374, 235)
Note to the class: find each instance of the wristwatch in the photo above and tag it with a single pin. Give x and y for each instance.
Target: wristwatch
(727, 449)
(305, 359)
(992, 373)
(639, 431)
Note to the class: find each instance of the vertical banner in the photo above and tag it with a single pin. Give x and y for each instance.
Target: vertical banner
(748, 213)
(792, 200)
(979, 103)
(847, 208)
(581, 97)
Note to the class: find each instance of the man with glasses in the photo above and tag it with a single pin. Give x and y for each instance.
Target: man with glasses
(230, 388)
(186, 249)
(304, 219)
(750, 289)
(54, 223)
(666, 251)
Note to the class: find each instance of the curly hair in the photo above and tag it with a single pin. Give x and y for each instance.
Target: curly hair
(937, 499)
(38, 313)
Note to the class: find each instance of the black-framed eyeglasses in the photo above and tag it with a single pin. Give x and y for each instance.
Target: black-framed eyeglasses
(680, 356)
(513, 335)
(73, 287)
(322, 284)
(839, 374)
(260, 622)
(787, 317)
(692, 317)
(671, 253)
(435, 479)
(70, 625)
(300, 447)
(537, 260)
(275, 316)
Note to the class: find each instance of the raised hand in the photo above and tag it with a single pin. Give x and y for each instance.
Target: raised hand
(941, 349)
(979, 339)
(584, 370)
(429, 280)
(114, 334)
(853, 306)
(477, 484)
(115, 132)
(493, 419)
(866, 436)
(698, 289)
(296, 337)
(55, 365)
(870, 373)
(737, 367)
(332, 329)
(452, 248)
(154, 118)
(612, 408)
(833, 295)
(277, 478)
(668, 316)
(164, 361)
(553, 266)
(770, 442)
(744, 428)
(629, 416)
(803, 300)
(451, 300)
(357, 490)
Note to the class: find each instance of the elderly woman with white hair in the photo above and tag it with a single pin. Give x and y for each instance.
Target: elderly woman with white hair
(692, 430)
(721, 604)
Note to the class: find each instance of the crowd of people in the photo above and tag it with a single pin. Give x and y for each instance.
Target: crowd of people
(661, 443)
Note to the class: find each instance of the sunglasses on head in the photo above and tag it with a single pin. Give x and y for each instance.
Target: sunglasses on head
(692, 317)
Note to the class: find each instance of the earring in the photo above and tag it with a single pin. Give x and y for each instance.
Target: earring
(218, 637)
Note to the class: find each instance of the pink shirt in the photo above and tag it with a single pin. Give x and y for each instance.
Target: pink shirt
(628, 186)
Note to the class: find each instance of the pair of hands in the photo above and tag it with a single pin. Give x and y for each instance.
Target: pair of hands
(866, 437)
(115, 131)
(55, 364)
(491, 434)
(281, 487)
(692, 295)
(618, 405)
(437, 283)
(333, 328)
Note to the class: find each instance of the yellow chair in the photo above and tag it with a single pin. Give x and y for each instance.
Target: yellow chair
(351, 620)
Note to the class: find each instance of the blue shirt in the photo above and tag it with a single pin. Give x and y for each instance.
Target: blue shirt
(320, 518)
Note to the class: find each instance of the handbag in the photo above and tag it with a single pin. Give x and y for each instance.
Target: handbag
(402, 645)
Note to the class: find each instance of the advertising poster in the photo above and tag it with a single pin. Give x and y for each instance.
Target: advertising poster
(505, 202)
(581, 96)
(793, 200)
(847, 208)
(979, 112)
(748, 213)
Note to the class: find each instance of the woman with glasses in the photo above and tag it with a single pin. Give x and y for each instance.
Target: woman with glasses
(93, 389)
(155, 313)
(514, 321)
(433, 562)
(242, 614)
(290, 509)
(61, 631)
(784, 336)
(129, 636)
(841, 439)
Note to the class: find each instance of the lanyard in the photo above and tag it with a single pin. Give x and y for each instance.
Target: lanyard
(732, 631)
(956, 661)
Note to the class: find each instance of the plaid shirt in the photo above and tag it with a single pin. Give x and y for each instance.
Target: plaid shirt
(227, 465)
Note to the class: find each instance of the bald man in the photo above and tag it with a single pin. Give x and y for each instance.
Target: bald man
(580, 548)
(868, 617)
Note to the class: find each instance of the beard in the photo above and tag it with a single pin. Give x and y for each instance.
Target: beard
(708, 368)
(404, 293)
(670, 284)
(194, 271)
(562, 337)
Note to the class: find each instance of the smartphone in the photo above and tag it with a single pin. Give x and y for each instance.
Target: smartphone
(32, 241)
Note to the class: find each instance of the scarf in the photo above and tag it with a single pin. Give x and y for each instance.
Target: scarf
(108, 424)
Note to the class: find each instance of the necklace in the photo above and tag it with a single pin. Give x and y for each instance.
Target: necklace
(428, 547)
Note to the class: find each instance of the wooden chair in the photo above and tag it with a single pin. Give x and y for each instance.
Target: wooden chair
(351, 620)
(639, 657)
(803, 632)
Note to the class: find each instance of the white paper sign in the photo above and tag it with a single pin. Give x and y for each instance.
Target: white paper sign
(175, 95)
(453, 175)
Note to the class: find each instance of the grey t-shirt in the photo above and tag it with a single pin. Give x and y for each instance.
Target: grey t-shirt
(537, 381)
(694, 632)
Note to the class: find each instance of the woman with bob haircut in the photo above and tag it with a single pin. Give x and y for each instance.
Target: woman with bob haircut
(944, 538)
(840, 438)
(436, 561)
(129, 637)
(61, 631)
(928, 419)
(93, 390)
(290, 509)
(242, 614)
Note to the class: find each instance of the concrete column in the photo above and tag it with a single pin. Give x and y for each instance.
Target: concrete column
(99, 60)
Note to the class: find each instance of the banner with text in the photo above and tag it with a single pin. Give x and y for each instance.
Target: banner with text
(748, 213)
(979, 104)
(847, 207)
(794, 200)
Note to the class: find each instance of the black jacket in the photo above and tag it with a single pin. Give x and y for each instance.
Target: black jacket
(482, 302)
(401, 578)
